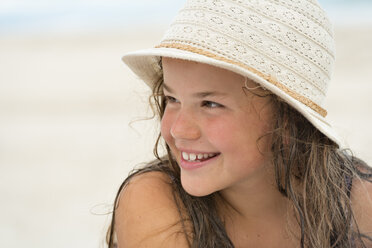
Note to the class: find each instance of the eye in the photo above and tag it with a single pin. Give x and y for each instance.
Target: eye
(209, 104)
(170, 99)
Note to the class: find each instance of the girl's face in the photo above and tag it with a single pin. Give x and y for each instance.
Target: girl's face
(213, 126)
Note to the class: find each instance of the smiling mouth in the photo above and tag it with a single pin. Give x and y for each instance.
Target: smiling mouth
(192, 157)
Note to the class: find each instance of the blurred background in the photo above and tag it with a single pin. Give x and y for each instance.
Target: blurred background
(70, 111)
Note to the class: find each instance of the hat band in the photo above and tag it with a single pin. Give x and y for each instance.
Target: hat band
(270, 79)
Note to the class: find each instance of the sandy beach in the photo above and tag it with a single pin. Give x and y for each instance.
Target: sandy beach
(67, 136)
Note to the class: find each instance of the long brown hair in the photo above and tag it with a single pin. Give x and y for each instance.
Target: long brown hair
(303, 156)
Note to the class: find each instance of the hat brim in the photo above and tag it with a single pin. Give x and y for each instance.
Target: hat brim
(145, 64)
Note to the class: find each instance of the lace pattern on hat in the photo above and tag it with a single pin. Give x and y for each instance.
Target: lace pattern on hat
(278, 48)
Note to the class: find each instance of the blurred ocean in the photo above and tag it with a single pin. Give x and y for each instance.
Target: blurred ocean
(68, 16)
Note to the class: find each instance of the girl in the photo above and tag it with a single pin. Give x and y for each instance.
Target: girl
(251, 160)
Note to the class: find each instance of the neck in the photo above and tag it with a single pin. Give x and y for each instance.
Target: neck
(255, 214)
(255, 200)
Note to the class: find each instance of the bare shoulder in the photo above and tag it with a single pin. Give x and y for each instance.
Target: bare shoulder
(361, 198)
(147, 215)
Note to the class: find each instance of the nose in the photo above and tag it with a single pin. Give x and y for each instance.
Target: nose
(185, 127)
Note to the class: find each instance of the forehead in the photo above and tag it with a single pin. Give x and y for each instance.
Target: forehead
(190, 73)
(168, 62)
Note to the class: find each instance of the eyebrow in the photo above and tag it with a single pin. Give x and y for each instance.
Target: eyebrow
(198, 94)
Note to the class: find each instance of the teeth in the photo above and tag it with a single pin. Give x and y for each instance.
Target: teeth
(192, 156)
(198, 157)
(185, 156)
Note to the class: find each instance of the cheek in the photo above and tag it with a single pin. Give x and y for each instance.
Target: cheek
(165, 127)
(237, 138)
(218, 132)
(225, 131)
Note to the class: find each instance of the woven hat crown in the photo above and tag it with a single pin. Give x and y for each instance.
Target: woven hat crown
(287, 42)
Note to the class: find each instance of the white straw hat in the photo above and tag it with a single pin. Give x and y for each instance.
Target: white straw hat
(286, 46)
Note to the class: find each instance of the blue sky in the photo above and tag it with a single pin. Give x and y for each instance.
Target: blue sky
(38, 16)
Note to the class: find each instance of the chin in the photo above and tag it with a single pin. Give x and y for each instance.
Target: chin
(197, 193)
(197, 190)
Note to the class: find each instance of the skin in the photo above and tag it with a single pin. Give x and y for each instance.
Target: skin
(209, 112)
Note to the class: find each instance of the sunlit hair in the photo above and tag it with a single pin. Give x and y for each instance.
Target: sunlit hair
(310, 170)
